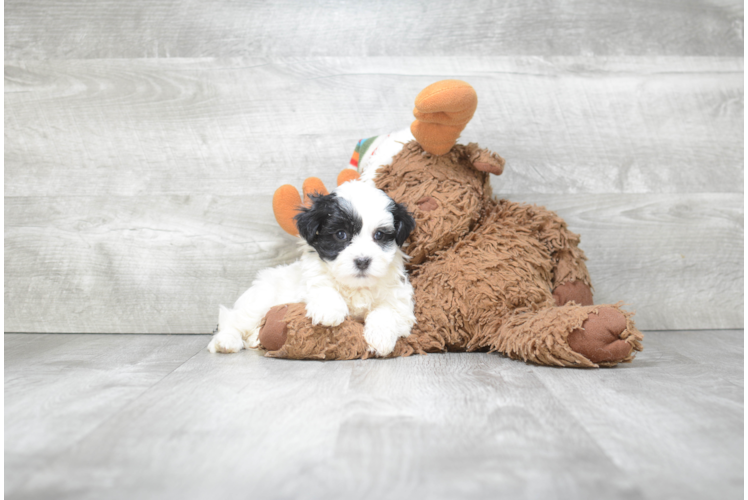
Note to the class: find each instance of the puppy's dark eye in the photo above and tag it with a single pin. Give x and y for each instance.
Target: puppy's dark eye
(341, 235)
(378, 235)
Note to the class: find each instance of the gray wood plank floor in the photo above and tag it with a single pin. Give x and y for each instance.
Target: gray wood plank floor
(157, 416)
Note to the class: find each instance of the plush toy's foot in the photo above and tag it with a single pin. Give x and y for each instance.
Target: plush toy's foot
(274, 332)
(606, 337)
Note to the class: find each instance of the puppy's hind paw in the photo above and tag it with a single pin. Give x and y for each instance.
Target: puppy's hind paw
(225, 342)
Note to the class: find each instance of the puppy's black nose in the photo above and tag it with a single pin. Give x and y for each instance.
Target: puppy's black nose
(362, 263)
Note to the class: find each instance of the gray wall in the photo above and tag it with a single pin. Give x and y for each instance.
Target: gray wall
(144, 140)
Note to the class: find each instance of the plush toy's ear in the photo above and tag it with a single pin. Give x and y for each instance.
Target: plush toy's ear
(347, 174)
(442, 110)
(488, 161)
(404, 223)
(287, 203)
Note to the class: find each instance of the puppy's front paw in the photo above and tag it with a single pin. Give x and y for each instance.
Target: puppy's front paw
(381, 342)
(327, 310)
(226, 342)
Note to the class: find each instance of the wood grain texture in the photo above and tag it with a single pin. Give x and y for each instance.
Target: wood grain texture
(65, 386)
(134, 264)
(133, 416)
(244, 127)
(677, 260)
(167, 28)
(163, 264)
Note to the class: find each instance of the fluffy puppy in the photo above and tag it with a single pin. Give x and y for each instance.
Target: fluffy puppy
(351, 266)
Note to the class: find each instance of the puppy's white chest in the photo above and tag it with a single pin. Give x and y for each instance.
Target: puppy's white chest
(360, 302)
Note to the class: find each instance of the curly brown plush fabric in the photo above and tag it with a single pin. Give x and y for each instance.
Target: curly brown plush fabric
(489, 275)
(455, 195)
(308, 341)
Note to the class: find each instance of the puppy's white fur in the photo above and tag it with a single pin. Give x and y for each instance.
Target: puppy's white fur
(332, 290)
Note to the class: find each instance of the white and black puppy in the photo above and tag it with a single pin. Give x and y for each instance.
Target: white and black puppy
(351, 266)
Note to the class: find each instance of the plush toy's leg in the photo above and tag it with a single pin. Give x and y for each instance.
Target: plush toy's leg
(288, 333)
(569, 335)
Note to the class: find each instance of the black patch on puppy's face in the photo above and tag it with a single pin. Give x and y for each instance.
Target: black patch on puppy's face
(403, 225)
(404, 222)
(329, 225)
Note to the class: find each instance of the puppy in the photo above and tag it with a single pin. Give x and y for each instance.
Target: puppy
(351, 266)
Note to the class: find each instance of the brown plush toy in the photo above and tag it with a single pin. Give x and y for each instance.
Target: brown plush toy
(488, 274)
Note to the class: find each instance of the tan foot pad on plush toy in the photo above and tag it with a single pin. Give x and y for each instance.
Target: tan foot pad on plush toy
(599, 338)
(275, 331)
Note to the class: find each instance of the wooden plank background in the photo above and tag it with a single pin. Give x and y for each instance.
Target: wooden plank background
(143, 141)
(81, 29)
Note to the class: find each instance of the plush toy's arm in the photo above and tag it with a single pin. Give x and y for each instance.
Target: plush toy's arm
(570, 278)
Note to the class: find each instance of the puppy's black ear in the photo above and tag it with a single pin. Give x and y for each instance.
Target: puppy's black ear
(404, 223)
(309, 220)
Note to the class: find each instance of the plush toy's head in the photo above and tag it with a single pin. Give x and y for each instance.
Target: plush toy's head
(442, 183)
(445, 193)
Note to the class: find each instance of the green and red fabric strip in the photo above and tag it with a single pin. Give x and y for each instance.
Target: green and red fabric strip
(361, 148)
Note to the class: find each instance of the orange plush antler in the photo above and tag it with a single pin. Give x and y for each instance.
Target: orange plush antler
(286, 200)
(347, 174)
(442, 111)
